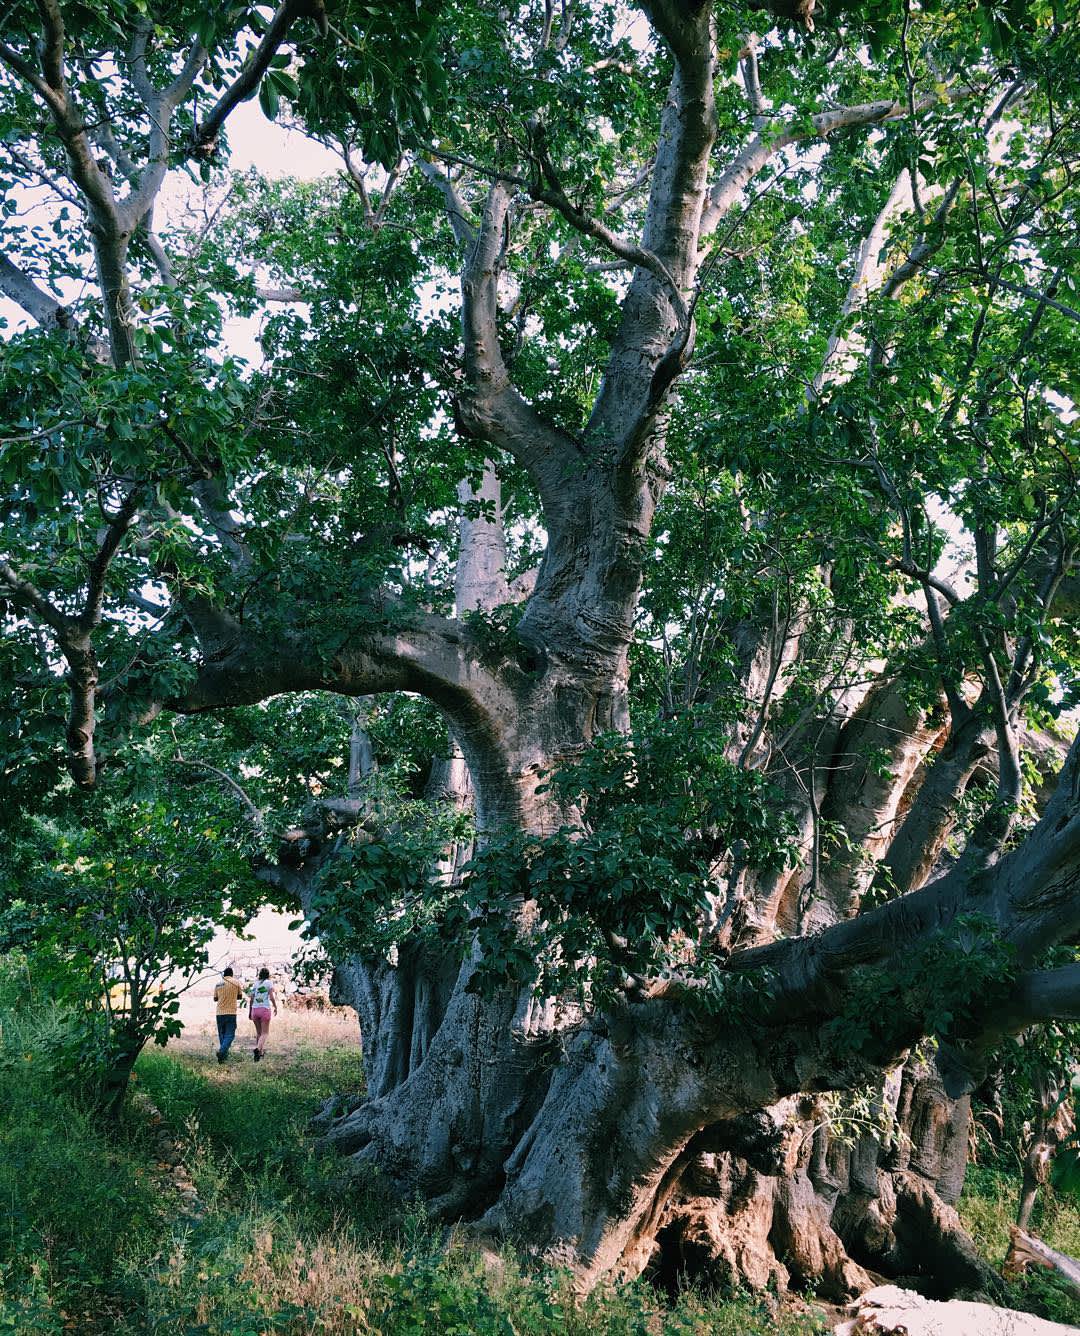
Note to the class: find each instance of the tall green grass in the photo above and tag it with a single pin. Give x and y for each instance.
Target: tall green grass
(988, 1207)
(79, 1210)
(93, 1239)
(305, 1250)
(248, 1137)
(95, 1242)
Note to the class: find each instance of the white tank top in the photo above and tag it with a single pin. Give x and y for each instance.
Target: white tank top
(260, 993)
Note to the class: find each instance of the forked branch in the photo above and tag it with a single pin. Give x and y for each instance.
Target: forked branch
(490, 407)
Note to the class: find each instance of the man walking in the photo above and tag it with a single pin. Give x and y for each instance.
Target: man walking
(227, 995)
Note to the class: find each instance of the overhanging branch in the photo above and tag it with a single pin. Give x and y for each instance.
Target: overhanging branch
(725, 193)
(40, 305)
(1038, 997)
(204, 138)
(1032, 896)
(255, 814)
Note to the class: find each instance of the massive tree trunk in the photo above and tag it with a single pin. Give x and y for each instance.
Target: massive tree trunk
(654, 1133)
(794, 1196)
(647, 1137)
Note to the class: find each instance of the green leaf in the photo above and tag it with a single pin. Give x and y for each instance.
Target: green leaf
(268, 97)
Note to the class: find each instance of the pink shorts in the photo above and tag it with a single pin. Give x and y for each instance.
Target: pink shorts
(260, 1013)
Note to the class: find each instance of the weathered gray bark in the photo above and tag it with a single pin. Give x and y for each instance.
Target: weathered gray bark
(599, 1152)
(400, 1004)
(596, 1157)
(402, 1001)
(779, 1199)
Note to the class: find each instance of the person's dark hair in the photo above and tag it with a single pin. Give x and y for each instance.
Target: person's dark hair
(264, 973)
(227, 972)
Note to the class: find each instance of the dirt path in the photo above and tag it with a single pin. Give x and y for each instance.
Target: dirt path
(292, 1033)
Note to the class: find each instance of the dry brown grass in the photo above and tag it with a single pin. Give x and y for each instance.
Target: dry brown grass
(292, 1033)
(335, 1280)
(325, 1285)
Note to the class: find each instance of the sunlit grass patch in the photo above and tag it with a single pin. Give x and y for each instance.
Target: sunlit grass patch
(988, 1207)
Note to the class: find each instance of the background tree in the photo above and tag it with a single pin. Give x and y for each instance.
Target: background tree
(838, 564)
(115, 918)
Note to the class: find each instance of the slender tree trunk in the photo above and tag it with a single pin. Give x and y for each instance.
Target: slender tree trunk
(1029, 1189)
(116, 1079)
(1051, 1125)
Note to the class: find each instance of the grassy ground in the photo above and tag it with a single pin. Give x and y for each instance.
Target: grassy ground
(295, 1036)
(988, 1207)
(93, 1243)
(94, 1239)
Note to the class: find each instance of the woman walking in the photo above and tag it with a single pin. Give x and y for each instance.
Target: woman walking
(262, 999)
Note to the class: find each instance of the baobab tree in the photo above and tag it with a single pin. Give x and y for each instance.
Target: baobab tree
(758, 378)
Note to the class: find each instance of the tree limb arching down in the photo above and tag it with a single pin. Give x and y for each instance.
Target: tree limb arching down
(731, 371)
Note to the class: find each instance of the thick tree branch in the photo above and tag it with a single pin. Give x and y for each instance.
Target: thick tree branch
(1039, 997)
(110, 237)
(462, 225)
(53, 90)
(877, 753)
(653, 341)
(74, 636)
(26, 72)
(725, 193)
(40, 305)
(52, 49)
(751, 75)
(489, 406)
(1032, 896)
(25, 594)
(413, 651)
(204, 138)
(160, 104)
(82, 674)
(868, 274)
(150, 240)
(270, 292)
(117, 527)
(870, 270)
(553, 194)
(82, 677)
(113, 221)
